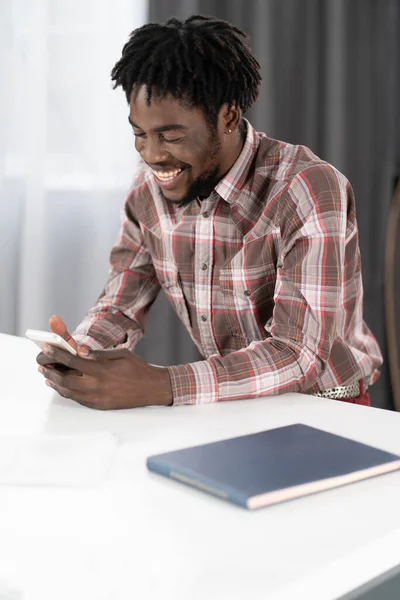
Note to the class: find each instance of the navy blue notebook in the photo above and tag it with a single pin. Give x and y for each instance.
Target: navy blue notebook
(273, 466)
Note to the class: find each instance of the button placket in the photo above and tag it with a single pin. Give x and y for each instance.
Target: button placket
(204, 262)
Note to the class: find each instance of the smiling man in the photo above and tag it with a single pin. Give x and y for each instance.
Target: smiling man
(253, 240)
(197, 157)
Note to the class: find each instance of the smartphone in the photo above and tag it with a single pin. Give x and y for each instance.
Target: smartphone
(41, 338)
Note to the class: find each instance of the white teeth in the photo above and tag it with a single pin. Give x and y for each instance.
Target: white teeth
(167, 176)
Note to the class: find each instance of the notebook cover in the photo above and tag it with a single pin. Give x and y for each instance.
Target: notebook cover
(273, 466)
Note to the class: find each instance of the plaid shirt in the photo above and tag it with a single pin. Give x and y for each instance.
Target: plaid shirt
(264, 273)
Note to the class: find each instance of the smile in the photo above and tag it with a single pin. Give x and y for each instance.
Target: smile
(167, 178)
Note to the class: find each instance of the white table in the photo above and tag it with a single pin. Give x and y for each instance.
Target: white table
(142, 536)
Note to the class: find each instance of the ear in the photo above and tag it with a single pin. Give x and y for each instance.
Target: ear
(230, 118)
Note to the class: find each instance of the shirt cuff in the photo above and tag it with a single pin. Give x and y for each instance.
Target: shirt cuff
(194, 383)
(102, 334)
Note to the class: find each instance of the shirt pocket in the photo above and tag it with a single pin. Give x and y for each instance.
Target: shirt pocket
(248, 299)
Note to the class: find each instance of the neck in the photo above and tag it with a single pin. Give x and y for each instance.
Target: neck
(234, 150)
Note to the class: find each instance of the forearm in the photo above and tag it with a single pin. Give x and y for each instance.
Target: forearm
(119, 315)
(265, 368)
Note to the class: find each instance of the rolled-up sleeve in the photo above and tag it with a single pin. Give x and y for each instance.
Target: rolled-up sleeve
(119, 315)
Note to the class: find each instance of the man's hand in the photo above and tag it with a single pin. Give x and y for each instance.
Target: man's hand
(107, 379)
(58, 326)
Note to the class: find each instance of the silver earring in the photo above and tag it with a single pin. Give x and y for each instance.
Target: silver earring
(229, 130)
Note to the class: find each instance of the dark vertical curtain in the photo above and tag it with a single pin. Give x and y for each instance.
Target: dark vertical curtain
(331, 81)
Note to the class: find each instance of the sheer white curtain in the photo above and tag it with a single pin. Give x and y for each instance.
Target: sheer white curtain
(66, 154)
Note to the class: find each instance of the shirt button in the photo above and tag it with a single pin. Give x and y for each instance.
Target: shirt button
(247, 293)
(203, 267)
(203, 317)
(206, 214)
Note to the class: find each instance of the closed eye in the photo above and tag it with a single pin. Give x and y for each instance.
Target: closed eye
(170, 140)
(163, 138)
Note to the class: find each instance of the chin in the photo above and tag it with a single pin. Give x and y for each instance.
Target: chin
(174, 195)
(171, 197)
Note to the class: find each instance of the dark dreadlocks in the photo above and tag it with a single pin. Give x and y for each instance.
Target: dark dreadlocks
(203, 61)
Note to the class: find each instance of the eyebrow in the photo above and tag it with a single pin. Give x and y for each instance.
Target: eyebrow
(162, 128)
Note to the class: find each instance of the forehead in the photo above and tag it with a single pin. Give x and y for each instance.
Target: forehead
(162, 111)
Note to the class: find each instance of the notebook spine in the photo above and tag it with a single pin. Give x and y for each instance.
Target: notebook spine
(204, 484)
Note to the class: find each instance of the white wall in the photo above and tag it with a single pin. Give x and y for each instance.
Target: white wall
(66, 154)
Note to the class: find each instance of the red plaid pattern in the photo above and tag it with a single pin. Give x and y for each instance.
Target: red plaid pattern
(264, 273)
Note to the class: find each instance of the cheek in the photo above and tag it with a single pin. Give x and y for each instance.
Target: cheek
(199, 151)
(203, 159)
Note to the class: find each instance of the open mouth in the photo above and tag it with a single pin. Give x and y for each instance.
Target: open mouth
(167, 179)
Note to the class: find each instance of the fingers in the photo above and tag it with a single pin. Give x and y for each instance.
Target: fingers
(89, 364)
(56, 355)
(61, 369)
(83, 351)
(42, 359)
(58, 326)
(77, 388)
(45, 361)
(69, 380)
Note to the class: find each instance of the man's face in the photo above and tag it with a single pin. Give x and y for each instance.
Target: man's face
(177, 144)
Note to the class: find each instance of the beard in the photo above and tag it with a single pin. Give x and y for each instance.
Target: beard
(200, 188)
(204, 184)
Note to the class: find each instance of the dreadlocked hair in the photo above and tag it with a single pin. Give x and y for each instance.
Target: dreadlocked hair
(203, 61)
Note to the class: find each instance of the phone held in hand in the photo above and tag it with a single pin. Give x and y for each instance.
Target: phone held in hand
(41, 338)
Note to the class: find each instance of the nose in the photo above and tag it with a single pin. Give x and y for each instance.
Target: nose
(150, 149)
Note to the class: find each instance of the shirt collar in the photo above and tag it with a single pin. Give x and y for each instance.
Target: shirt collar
(231, 186)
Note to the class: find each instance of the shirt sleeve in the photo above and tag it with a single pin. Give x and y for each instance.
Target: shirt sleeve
(313, 224)
(119, 315)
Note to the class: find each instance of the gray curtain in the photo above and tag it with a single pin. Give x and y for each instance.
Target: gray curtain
(331, 81)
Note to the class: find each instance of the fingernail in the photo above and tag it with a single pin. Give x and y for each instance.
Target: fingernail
(83, 351)
(48, 382)
(41, 370)
(47, 350)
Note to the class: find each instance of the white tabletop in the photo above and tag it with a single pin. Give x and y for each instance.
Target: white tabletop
(140, 535)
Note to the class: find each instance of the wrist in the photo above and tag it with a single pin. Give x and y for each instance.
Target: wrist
(162, 394)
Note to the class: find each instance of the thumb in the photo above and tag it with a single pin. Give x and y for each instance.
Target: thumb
(58, 326)
(86, 352)
(83, 351)
(105, 355)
